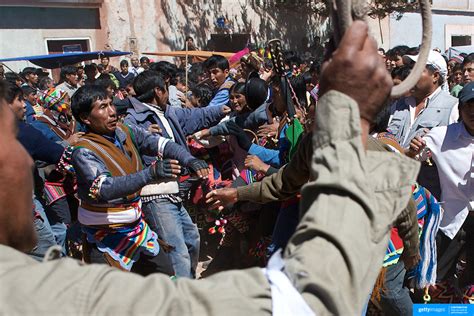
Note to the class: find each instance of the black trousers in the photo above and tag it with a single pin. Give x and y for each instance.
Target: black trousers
(144, 266)
(450, 250)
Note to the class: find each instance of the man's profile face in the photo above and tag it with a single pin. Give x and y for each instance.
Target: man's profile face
(18, 108)
(16, 185)
(218, 76)
(32, 98)
(162, 96)
(426, 84)
(468, 72)
(32, 78)
(72, 79)
(102, 119)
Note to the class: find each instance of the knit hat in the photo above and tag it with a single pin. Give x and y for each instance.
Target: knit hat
(54, 99)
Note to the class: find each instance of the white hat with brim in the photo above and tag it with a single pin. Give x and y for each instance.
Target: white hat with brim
(435, 59)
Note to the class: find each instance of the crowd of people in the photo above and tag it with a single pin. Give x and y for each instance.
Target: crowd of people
(155, 167)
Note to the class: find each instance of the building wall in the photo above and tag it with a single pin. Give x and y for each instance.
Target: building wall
(453, 4)
(408, 30)
(155, 25)
(163, 25)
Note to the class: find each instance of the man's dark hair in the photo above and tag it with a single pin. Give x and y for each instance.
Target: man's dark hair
(166, 69)
(28, 70)
(401, 72)
(145, 83)
(12, 77)
(104, 81)
(189, 38)
(83, 99)
(299, 87)
(92, 67)
(180, 77)
(44, 82)
(105, 57)
(380, 123)
(413, 51)
(123, 62)
(256, 92)
(400, 50)
(144, 59)
(216, 61)
(195, 71)
(203, 92)
(67, 70)
(456, 67)
(27, 90)
(468, 59)
(3, 90)
(12, 91)
(381, 50)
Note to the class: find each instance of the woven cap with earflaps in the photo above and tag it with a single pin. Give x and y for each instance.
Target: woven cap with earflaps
(54, 99)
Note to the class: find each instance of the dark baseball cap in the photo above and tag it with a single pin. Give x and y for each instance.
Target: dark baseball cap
(467, 93)
(28, 70)
(41, 73)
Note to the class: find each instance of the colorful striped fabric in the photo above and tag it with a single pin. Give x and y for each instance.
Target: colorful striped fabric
(424, 202)
(251, 176)
(425, 273)
(53, 192)
(124, 244)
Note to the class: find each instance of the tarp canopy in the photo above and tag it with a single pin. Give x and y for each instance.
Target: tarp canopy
(58, 60)
(191, 53)
(455, 52)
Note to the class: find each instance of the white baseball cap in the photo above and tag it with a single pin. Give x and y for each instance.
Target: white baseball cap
(436, 60)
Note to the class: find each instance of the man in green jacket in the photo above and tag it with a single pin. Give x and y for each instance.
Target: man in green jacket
(328, 265)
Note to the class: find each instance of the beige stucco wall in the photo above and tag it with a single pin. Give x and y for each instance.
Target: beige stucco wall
(163, 25)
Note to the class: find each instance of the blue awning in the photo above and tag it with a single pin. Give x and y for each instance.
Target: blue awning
(58, 60)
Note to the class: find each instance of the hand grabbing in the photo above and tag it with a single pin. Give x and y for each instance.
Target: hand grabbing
(163, 169)
(254, 163)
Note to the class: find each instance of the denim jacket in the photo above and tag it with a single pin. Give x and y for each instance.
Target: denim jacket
(183, 122)
(89, 166)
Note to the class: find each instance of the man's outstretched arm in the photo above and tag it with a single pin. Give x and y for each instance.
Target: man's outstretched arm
(335, 255)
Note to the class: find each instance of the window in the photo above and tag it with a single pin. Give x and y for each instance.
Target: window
(460, 40)
(67, 45)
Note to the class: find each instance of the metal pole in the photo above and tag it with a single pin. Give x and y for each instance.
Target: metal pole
(186, 74)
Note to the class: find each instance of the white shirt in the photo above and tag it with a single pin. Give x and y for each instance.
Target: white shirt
(163, 119)
(452, 149)
(135, 71)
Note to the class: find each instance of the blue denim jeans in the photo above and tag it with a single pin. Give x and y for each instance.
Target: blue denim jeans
(173, 224)
(396, 300)
(55, 213)
(43, 232)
